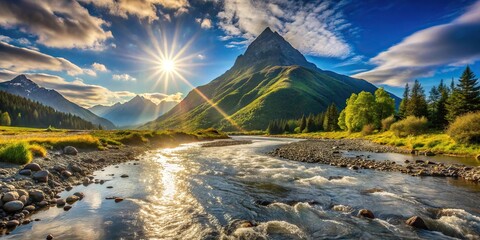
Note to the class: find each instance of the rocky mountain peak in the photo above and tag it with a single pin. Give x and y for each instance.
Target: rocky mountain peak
(271, 49)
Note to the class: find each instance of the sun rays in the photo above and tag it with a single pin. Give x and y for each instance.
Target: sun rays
(165, 60)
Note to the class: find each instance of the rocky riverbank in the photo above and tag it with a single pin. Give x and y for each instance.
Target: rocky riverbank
(33, 187)
(328, 151)
(223, 143)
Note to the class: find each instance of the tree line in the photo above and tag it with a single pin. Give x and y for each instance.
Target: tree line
(19, 111)
(377, 111)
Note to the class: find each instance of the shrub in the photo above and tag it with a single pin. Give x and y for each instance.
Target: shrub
(466, 128)
(16, 153)
(387, 123)
(410, 126)
(37, 150)
(133, 139)
(368, 129)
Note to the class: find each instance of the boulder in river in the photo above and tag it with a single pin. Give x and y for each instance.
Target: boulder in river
(80, 195)
(13, 206)
(417, 222)
(12, 224)
(72, 199)
(33, 167)
(366, 213)
(69, 150)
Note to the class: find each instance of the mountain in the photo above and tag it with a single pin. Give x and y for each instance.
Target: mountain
(271, 80)
(24, 87)
(27, 113)
(137, 111)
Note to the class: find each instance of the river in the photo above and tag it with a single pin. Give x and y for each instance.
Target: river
(190, 192)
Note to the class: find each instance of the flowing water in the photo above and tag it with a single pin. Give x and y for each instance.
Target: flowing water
(191, 192)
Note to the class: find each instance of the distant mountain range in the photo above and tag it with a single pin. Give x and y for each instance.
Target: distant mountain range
(135, 112)
(24, 112)
(272, 80)
(24, 87)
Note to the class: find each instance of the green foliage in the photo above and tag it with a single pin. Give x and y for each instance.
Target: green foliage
(437, 110)
(303, 123)
(410, 126)
(417, 103)
(465, 97)
(330, 122)
(5, 119)
(34, 114)
(133, 139)
(18, 153)
(387, 123)
(385, 106)
(368, 129)
(402, 110)
(466, 129)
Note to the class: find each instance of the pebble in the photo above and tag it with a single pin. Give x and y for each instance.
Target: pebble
(72, 199)
(118, 199)
(41, 176)
(417, 222)
(25, 172)
(49, 237)
(12, 223)
(69, 150)
(10, 196)
(68, 207)
(13, 206)
(37, 195)
(33, 167)
(124, 176)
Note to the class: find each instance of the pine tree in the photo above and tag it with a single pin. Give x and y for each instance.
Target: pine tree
(465, 96)
(330, 122)
(417, 104)
(286, 128)
(402, 110)
(303, 123)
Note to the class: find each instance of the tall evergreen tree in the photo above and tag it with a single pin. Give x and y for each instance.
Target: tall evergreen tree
(330, 123)
(465, 96)
(303, 123)
(402, 110)
(417, 103)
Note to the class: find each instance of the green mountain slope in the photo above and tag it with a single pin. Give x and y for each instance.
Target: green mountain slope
(271, 80)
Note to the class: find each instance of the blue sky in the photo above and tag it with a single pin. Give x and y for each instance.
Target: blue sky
(104, 51)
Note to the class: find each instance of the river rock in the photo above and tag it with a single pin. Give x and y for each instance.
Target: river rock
(66, 173)
(30, 208)
(12, 223)
(429, 153)
(23, 199)
(72, 199)
(41, 176)
(61, 202)
(49, 237)
(366, 213)
(37, 195)
(478, 157)
(124, 176)
(69, 150)
(25, 172)
(66, 208)
(10, 196)
(42, 204)
(76, 168)
(118, 199)
(80, 195)
(417, 222)
(13, 206)
(33, 167)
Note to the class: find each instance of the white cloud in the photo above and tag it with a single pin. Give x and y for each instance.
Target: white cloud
(161, 97)
(90, 72)
(422, 53)
(201, 56)
(123, 77)
(76, 91)
(59, 24)
(99, 67)
(205, 23)
(23, 59)
(315, 28)
(143, 9)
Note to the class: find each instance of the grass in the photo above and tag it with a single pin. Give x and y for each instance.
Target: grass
(436, 142)
(18, 153)
(19, 145)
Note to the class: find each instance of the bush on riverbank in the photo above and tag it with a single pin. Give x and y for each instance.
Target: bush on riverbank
(466, 129)
(17, 153)
(411, 126)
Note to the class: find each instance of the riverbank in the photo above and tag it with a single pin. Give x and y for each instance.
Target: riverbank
(328, 151)
(27, 189)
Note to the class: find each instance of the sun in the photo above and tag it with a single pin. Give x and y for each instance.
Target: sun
(167, 65)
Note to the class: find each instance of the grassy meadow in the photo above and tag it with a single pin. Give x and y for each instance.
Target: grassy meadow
(19, 145)
(437, 142)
